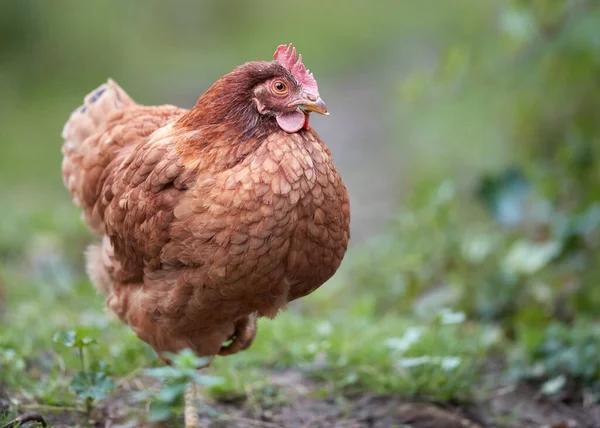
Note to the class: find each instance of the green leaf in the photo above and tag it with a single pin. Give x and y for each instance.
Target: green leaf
(166, 402)
(94, 385)
(554, 385)
(171, 393)
(187, 359)
(205, 380)
(162, 373)
(527, 258)
(100, 366)
(84, 341)
(66, 338)
(73, 339)
(505, 195)
(160, 412)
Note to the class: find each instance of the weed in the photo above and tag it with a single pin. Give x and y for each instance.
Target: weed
(167, 402)
(92, 382)
(347, 357)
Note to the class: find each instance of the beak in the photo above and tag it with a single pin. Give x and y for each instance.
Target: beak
(318, 106)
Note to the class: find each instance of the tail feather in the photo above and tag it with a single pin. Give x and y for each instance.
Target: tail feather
(97, 107)
(98, 265)
(83, 162)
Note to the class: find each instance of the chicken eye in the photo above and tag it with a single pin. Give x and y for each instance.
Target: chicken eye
(280, 87)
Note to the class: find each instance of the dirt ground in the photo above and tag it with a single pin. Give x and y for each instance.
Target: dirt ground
(519, 407)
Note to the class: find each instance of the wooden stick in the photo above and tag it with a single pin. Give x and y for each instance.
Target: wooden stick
(27, 417)
(191, 411)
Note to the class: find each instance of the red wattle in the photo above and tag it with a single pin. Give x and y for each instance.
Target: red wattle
(306, 117)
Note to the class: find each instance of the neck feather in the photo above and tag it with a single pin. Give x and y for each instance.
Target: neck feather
(229, 102)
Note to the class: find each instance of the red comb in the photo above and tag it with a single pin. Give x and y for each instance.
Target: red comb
(286, 56)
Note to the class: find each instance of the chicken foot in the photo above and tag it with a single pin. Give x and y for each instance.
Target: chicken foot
(243, 336)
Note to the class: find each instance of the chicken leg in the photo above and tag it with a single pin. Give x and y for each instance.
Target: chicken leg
(242, 338)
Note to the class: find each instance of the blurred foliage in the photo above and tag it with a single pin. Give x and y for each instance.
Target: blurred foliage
(567, 352)
(495, 123)
(530, 261)
(184, 372)
(92, 382)
(439, 359)
(54, 53)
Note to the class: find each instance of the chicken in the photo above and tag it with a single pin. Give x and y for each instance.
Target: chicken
(209, 217)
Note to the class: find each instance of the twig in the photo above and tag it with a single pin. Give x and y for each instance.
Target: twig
(49, 407)
(27, 417)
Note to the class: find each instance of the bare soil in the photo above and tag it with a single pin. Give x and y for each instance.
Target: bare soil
(517, 407)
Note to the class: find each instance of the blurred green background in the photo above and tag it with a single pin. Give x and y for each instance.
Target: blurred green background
(467, 132)
(52, 54)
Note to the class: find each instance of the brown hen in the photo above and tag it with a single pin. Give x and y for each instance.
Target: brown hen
(209, 216)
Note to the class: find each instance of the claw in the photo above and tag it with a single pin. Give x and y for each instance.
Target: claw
(243, 336)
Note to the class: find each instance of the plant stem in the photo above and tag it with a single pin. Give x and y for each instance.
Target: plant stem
(191, 411)
(49, 407)
(88, 407)
(82, 359)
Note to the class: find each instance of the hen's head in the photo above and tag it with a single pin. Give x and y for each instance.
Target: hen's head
(278, 94)
(291, 94)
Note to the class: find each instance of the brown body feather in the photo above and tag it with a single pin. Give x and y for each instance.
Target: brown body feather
(210, 216)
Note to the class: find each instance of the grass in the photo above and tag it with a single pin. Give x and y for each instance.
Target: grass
(381, 326)
(367, 331)
(421, 312)
(357, 354)
(345, 349)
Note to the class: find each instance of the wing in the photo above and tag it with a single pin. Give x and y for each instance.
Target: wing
(138, 198)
